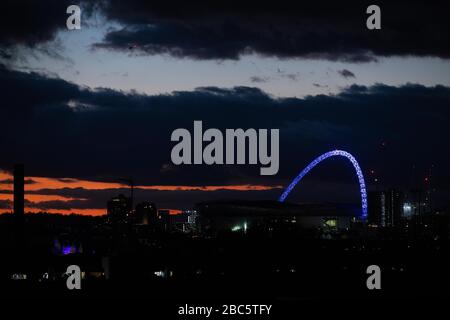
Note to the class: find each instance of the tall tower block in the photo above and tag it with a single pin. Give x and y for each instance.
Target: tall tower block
(19, 192)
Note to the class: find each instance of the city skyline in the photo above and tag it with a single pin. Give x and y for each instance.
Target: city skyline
(85, 108)
(218, 158)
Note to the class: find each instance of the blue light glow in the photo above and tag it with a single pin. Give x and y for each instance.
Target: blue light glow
(362, 184)
(68, 250)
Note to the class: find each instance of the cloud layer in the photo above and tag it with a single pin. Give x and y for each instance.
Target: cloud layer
(59, 129)
(223, 30)
(328, 30)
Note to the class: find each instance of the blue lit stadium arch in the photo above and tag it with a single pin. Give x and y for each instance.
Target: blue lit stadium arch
(362, 184)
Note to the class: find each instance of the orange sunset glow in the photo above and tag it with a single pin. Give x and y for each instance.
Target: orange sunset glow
(37, 184)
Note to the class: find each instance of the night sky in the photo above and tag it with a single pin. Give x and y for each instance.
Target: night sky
(84, 108)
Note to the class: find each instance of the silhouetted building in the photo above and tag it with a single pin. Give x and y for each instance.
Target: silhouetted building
(417, 202)
(377, 208)
(243, 215)
(192, 216)
(164, 219)
(19, 192)
(19, 200)
(119, 209)
(385, 208)
(186, 221)
(146, 213)
(394, 207)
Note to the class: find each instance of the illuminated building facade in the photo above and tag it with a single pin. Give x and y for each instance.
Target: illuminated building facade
(386, 208)
(19, 190)
(266, 216)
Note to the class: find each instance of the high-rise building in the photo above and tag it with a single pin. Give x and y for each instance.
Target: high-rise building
(394, 207)
(19, 192)
(184, 221)
(146, 213)
(119, 209)
(164, 219)
(385, 207)
(192, 216)
(377, 208)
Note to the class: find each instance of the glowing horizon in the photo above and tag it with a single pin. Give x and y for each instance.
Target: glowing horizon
(36, 184)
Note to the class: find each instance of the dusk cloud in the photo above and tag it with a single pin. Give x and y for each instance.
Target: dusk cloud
(346, 73)
(203, 30)
(107, 134)
(326, 30)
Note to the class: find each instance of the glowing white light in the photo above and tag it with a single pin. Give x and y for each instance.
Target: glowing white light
(160, 274)
(407, 209)
(236, 228)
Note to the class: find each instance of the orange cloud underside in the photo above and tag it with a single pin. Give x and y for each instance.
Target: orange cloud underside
(39, 197)
(86, 212)
(40, 183)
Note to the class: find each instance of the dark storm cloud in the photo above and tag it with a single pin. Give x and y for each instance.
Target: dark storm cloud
(224, 30)
(32, 22)
(333, 30)
(346, 73)
(62, 130)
